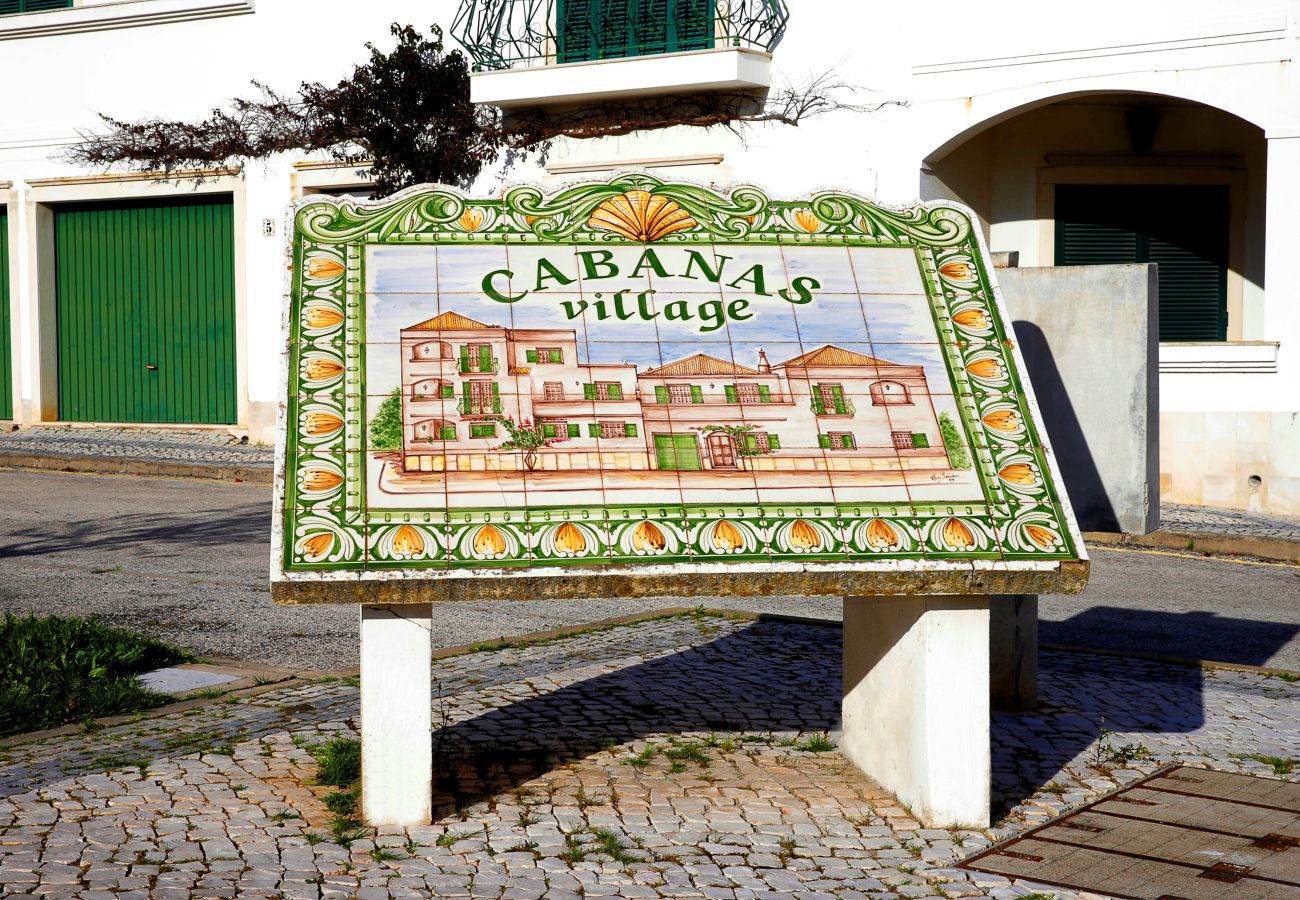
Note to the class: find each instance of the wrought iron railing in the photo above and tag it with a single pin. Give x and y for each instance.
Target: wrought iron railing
(506, 34)
(840, 406)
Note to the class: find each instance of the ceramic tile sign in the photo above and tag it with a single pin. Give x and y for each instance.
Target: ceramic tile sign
(638, 386)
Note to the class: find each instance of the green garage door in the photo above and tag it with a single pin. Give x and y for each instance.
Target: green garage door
(6, 340)
(146, 311)
(677, 451)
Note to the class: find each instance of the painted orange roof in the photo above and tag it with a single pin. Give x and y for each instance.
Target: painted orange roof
(701, 364)
(450, 321)
(831, 355)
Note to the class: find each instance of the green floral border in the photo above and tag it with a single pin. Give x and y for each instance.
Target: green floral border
(327, 525)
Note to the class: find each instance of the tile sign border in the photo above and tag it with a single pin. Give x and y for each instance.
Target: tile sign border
(324, 531)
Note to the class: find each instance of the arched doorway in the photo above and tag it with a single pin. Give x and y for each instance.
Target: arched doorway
(1125, 178)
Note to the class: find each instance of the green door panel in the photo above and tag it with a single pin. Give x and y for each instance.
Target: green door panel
(146, 311)
(677, 451)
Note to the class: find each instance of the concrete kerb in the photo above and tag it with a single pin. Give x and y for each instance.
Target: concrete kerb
(1202, 542)
(108, 465)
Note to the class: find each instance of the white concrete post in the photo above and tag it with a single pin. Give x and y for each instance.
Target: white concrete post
(916, 702)
(1281, 278)
(396, 714)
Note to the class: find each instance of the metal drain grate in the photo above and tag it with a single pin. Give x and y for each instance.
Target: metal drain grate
(1182, 834)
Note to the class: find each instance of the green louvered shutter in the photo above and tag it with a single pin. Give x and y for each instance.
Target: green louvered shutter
(575, 31)
(824, 440)
(530, 356)
(614, 37)
(485, 358)
(464, 358)
(697, 394)
(466, 395)
(9, 7)
(593, 430)
(575, 430)
(448, 432)
(730, 391)
(690, 25)
(837, 393)
(1181, 228)
(145, 311)
(447, 391)
(629, 429)
(773, 442)
(6, 339)
(764, 394)
(496, 397)
(588, 392)
(548, 430)
(661, 393)
(616, 392)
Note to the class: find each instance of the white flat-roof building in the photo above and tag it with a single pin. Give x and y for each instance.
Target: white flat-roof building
(1164, 132)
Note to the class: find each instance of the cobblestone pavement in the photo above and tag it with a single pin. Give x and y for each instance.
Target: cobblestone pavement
(217, 447)
(671, 758)
(1174, 517)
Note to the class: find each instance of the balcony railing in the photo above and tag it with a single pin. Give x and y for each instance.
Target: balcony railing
(507, 34)
(476, 365)
(479, 407)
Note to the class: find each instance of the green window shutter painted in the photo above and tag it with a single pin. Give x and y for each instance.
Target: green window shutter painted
(751, 442)
(485, 359)
(920, 440)
(1182, 228)
(6, 340)
(482, 431)
(588, 392)
(557, 355)
(849, 442)
(593, 430)
(773, 442)
(464, 357)
(496, 397)
(697, 394)
(764, 394)
(465, 392)
(8, 7)
(661, 393)
(629, 429)
(530, 356)
(549, 430)
(616, 392)
(448, 432)
(730, 390)
(145, 311)
(447, 392)
(818, 402)
(575, 430)
(837, 393)
(824, 440)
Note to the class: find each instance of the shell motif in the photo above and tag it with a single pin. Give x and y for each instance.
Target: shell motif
(1018, 473)
(408, 542)
(569, 539)
(489, 541)
(805, 219)
(648, 538)
(471, 219)
(322, 317)
(317, 480)
(317, 545)
(321, 423)
(1002, 420)
(881, 534)
(641, 216)
(985, 368)
(803, 536)
(727, 536)
(957, 534)
(1041, 536)
(971, 318)
(322, 369)
(957, 270)
(324, 267)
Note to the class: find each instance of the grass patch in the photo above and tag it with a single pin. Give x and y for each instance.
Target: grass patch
(55, 670)
(1280, 765)
(339, 760)
(817, 743)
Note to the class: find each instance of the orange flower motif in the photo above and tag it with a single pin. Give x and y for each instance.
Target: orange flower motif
(322, 369)
(804, 537)
(407, 542)
(881, 534)
(1040, 536)
(321, 423)
(471, 219)
(648, 536)
(805, 219)
(318, 545)
(985, 368)
(1002, 420)
(322, 317)
(324, 267)
(957, 270)
(489, 541)
(569, 539)
(727, 536)
(957, 533)
(971, 318)
(1018, 473)
(320, 480)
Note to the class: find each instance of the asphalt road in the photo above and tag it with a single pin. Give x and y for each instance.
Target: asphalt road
(187, 561)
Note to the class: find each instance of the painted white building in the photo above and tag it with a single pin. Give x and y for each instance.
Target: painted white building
(1162, 131)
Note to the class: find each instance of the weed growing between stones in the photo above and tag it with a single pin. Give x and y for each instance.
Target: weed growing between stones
(339, 765)
(1281, 766)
